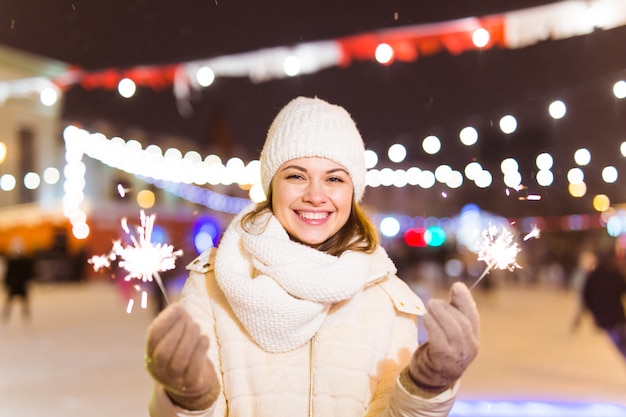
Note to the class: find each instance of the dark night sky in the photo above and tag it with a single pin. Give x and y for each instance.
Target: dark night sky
(434, 95)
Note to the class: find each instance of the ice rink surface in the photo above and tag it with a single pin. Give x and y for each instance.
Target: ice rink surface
(81, 355)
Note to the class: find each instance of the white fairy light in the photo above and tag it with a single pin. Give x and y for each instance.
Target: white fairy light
(480, 37)
(384, 53)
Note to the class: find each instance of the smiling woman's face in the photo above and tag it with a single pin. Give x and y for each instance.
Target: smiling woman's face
(312, 198)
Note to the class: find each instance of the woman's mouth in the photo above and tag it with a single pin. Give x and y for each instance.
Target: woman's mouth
(313, 215)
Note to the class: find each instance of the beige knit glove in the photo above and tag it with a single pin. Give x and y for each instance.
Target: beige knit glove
(176, 357)
(453, 331)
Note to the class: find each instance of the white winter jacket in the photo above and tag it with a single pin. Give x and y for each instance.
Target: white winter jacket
(349, 369)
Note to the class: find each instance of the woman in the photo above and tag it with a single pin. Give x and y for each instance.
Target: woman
(299, 311)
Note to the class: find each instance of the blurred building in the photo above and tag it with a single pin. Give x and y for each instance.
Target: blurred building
(38, 178)
(30, 150)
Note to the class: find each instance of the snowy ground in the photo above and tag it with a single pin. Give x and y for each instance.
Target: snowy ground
(82, 355)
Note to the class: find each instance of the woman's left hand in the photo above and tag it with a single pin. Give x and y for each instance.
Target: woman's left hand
(453, 332)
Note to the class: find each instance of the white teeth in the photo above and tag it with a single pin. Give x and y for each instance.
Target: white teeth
(313, 216)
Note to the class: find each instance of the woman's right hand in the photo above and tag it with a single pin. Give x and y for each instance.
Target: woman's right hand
(176, 357)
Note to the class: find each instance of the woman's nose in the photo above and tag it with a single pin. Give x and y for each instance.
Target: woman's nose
(315, 193)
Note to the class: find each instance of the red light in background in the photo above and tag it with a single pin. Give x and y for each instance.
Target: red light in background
(415, 237)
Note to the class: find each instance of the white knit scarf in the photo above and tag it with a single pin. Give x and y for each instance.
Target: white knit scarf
(281, 290)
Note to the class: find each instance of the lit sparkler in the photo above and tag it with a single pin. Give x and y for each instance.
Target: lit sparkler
(143, 260)
(499, 250)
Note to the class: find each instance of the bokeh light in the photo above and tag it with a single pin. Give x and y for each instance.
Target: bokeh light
(32, 180)
(371, 158)
(291, 66)
(619, 89)
(557, 109)
(582, 156)
(577, 189)
(508, 124)
(468, 136)
(384, 53)
(481, 37)
(146, 199)
(609, 174)
(544, 161)
(127, 88)
(389, 226)
(396, 152)
(601, 202)
(431, 145)
(7, 182)
(205, 76)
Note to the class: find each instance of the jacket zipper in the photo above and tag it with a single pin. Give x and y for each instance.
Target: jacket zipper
(311, 357)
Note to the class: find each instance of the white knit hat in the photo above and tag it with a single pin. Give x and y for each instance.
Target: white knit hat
(311, 127)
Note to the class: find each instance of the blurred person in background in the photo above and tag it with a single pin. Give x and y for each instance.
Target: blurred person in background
(603, 295)
(299, 311)
(586, 263)
(18, 273)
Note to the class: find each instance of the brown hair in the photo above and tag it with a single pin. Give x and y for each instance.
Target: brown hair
(358, 234)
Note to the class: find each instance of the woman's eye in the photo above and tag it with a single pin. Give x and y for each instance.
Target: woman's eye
(335, 179)
(294, 176)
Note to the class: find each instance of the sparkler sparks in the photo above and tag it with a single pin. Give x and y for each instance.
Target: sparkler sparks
(142, 259)
(499, 250)
(534, 233)
(530, 197)
(121, 190)
(99, 262)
